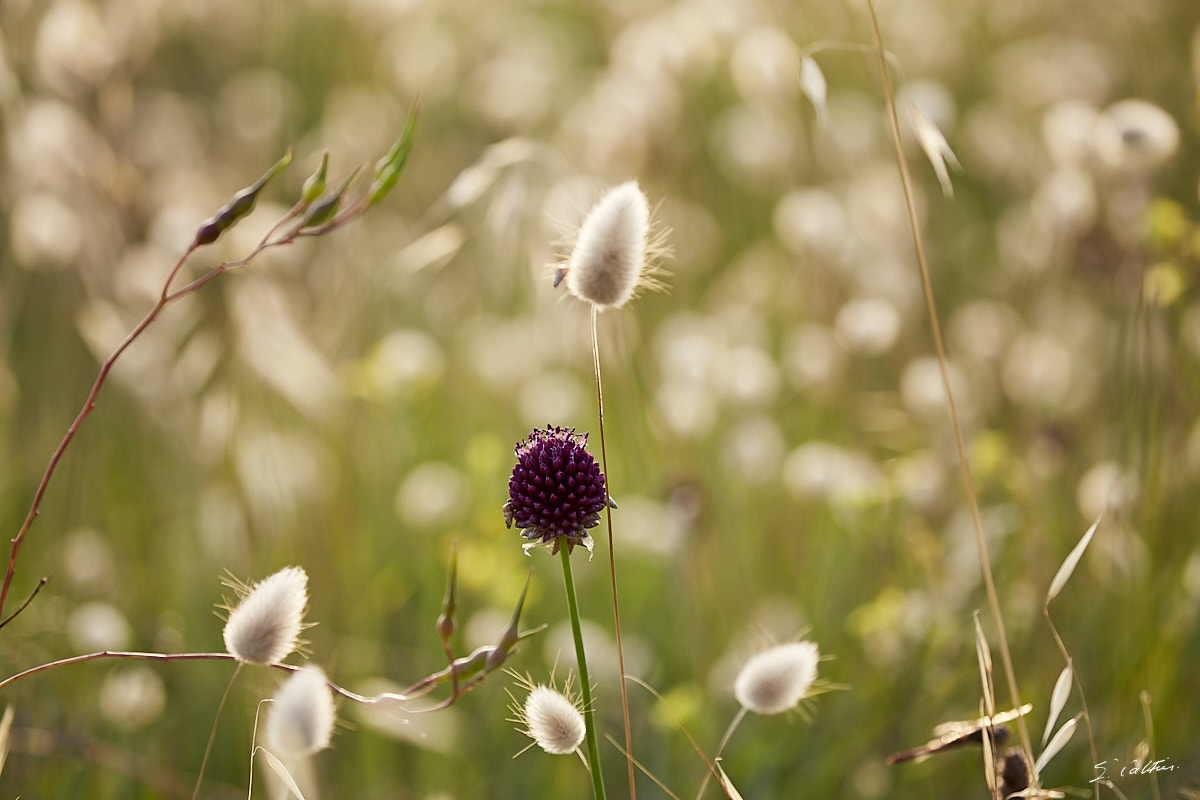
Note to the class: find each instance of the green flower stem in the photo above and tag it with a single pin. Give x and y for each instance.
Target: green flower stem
(585, 686)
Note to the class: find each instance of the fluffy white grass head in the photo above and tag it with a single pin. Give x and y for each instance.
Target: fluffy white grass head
(265, 626)
(613, 255)
(778, 678)
(551, 718)
(301, 718)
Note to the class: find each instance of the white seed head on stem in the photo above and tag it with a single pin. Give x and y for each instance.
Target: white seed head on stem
(300, 722)
(613, 255)
(778, 678)
(551, 718)
(265, 626)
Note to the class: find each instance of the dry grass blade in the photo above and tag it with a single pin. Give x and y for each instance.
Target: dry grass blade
(5, 730)
(1144, 697)
(1058, 742)
(727, 785)
(984, 654)
(1038, 794)
(935, 329)
(1068, 566)
(640, 766)
(284, 775)
(1058, 699)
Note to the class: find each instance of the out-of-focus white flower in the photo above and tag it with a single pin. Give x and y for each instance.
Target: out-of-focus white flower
(1037, 371)
(98, 626)
(764, 63)
(868, 325)
(812, 223)
(1104, 488)
(825, 471)
(300, 722)
(432, 494)
(132, 698)
(922, 390)
(812, 358)
(746, 376)
(777, 679)
(1068, 130)
(265, 626)
(1134, 135)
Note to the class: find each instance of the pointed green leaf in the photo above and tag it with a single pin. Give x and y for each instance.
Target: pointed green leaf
(388, 168)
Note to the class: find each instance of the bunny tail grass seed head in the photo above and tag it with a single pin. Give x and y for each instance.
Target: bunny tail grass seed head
(778, 678)
(614, 254)
(556, 489)
(300, 721)
(551, 718)
(265, 626)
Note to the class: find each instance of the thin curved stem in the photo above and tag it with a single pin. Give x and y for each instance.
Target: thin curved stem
(212, 735)
(28, 600)
(733, 726)
(1087, 717)
(585, 686)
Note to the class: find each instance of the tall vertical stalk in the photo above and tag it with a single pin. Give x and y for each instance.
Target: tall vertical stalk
(956, 426)
(612, 560)
(585, 685)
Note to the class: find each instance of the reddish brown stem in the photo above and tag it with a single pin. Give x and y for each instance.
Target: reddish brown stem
(166, 297)
(88, 405)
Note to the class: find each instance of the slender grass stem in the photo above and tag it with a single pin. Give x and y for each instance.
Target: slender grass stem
(956, 426)
(585, 686)
(733, 726)
(1087, 717)
(212, 735)
(612, 561)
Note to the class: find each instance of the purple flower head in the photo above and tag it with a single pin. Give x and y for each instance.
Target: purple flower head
(556, 489)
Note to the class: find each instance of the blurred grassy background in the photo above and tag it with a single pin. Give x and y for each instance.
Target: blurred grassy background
(777, 437)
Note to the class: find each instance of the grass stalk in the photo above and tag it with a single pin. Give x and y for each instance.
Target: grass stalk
(212, 735)
(939, 346)
(585, 686)
(612, 561)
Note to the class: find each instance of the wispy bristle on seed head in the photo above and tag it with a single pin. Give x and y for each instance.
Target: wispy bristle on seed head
(301, 719)
(613, 255)
(778, 678)
(265, 626)
(551, 718)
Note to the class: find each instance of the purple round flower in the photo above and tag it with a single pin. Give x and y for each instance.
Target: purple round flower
(556, 489)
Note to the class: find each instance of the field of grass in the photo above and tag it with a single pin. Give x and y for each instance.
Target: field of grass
(776, 428)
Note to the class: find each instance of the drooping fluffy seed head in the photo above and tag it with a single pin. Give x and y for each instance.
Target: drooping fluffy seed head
(556, 489)
(265, 626)
(778, 678)
(609, 258)
(301, 718)
(551, 718)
